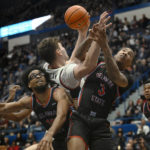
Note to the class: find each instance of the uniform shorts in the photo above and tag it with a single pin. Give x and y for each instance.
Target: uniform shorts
(94, 132)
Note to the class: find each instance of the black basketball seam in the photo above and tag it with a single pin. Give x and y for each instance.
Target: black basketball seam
(72, 14)
(78, 19)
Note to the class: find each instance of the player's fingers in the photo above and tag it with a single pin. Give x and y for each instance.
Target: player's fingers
(43, 145)
(106, 19)
(38, 146)
(18, 87)
(47, 146)
(103, 16)
(108, 25)
(51, 147)
(15, 87)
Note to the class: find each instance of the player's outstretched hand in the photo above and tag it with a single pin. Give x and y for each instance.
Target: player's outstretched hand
(46, 143)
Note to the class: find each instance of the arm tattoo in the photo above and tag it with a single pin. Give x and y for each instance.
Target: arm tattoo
(112, 69)
(82, 49)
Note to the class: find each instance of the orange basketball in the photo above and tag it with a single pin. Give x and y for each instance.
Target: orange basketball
(76, 17)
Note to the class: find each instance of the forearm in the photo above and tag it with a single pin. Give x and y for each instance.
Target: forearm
(9, 99)
(57, 124)
(7, 110)
(80, 51)
(11, 116)
(90, 62)
(92, 55)
(112, 68)
(17, 116)
(10, 107)
(77, 50)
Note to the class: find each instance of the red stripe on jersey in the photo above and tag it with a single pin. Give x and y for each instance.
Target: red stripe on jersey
(75, 136)
(65, 86)
(143, 107)
(148, 107)
(44, 105)
(100, 63)
(80, 97)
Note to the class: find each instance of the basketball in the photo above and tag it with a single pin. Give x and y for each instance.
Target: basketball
(76, 17)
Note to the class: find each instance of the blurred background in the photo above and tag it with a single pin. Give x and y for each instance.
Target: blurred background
(22, 26)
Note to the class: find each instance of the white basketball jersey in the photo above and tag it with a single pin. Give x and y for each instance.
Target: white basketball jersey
(63, 76)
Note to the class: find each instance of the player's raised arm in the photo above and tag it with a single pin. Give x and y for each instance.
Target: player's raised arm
(91, 59)
(78, 54)
(112, 67)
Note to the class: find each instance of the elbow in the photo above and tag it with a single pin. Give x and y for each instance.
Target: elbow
(122, 83)
(17, 119)
(93, 66)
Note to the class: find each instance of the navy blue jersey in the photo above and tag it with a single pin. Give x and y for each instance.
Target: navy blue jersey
(146, 109)
(98, 93)
(47, 113)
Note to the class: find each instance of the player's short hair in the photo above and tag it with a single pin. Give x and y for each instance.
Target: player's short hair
(146, 82)
(25, 79)
(47, 49)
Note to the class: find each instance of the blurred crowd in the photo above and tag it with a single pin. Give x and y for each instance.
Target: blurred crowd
(135, 136)
(14, 11)
(134, 34)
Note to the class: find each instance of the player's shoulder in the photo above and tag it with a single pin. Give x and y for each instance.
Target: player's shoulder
(59, 90)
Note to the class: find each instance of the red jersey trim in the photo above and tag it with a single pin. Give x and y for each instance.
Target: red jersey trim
(148, 107)
(48, 100)
(75, 136)
(64, 84)
(80, 97)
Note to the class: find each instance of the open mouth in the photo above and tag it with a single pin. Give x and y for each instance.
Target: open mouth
(121, 55)
(39, 81)
(147, 95)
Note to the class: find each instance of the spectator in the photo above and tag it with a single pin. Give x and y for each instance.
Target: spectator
(120, 140)
(30, 139)
(37, 127)
(143, 129)
(131, 107)
(19, 141)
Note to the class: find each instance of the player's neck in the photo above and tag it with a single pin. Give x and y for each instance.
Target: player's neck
(44, 96)
(120, 66)
(56, 65)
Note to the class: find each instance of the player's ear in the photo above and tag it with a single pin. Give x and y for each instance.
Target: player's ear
(58, 52)
(29, 85)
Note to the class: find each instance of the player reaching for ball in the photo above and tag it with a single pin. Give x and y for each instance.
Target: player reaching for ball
(68, 73)
(78, 70)
(89, 127)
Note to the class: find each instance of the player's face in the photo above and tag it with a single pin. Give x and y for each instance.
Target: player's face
(147, 91)
(36, 78)
(125, 57)
(63, 51)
